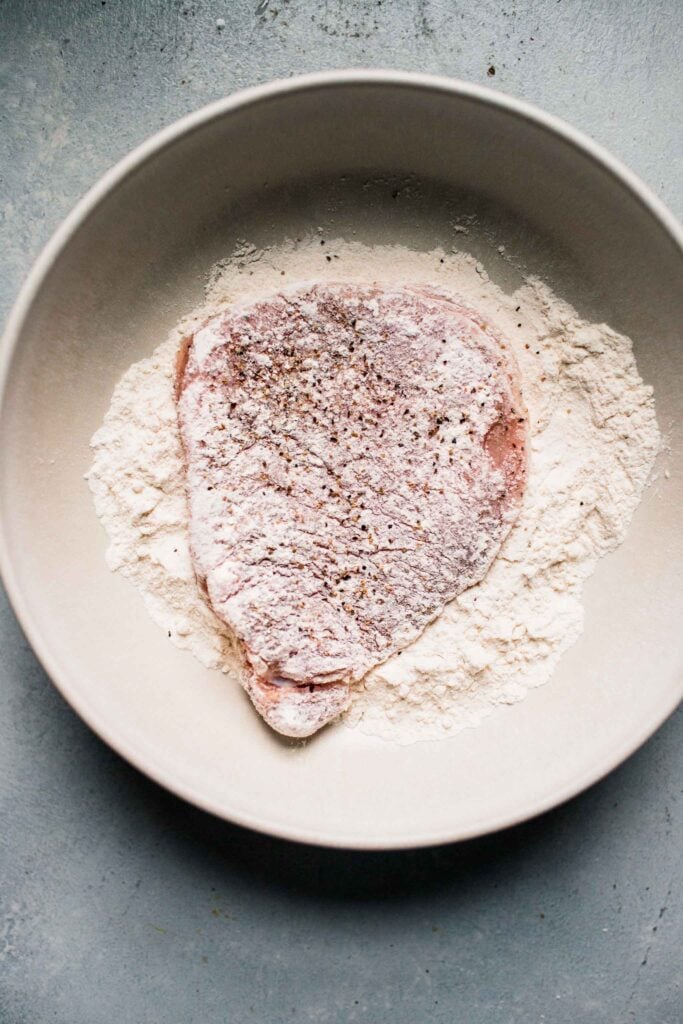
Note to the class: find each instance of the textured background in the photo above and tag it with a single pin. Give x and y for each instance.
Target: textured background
(120, 903)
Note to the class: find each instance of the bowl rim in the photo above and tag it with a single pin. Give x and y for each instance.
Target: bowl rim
(20, 313)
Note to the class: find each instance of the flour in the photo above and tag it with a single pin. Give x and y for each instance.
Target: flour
(137, 480)
(593, 442)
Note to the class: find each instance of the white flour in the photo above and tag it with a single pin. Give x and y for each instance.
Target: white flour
(593, 441)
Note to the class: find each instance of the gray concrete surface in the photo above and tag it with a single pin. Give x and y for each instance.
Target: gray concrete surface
(118, 903)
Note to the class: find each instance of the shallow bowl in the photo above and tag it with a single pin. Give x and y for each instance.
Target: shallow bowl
(380, 157)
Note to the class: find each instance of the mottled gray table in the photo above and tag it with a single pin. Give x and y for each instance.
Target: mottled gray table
(118, 903)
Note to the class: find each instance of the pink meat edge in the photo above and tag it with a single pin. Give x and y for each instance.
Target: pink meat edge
(296, 710)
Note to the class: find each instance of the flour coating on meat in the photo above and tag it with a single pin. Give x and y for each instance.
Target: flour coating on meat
(355, 457)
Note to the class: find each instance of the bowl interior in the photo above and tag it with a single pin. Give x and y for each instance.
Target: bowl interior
(379, 161)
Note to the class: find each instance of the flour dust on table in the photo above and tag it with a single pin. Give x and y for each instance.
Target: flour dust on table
(592, 442)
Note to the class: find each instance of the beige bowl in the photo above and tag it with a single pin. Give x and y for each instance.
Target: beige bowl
(387, 157)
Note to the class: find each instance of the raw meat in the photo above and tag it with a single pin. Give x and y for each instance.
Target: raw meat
(355, 457)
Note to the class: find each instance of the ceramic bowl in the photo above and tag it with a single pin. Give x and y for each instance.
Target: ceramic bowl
(381, 157)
